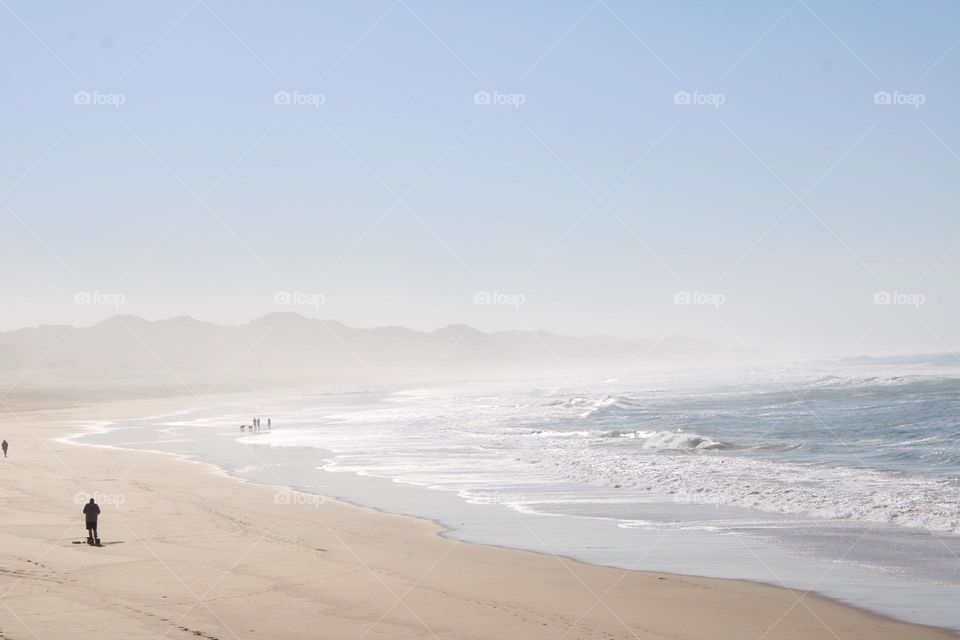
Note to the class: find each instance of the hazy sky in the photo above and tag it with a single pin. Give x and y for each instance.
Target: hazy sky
(580, 191)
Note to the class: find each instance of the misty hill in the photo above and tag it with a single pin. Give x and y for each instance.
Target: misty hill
(289, 344)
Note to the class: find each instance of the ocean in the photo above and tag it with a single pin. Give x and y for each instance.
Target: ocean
(843, 479)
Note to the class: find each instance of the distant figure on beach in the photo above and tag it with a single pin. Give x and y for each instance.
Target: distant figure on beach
(90, 511)
(4, 446)
(268, 429)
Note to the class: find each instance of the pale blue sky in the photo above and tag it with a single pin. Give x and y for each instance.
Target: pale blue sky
(100, 197)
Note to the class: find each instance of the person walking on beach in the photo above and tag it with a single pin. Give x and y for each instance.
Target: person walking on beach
(91, 511)
(4, 446)
(268, 429)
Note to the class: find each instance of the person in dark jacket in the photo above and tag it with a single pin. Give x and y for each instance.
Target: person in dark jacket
(90, 511)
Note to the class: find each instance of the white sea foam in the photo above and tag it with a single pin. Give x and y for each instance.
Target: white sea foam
(669, 440)
(612, 404)
(776, 487)
(745, 445)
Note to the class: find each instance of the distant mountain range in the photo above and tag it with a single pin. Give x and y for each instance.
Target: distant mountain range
(292, 345)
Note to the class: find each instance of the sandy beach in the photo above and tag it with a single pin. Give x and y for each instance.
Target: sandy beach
(189, 551)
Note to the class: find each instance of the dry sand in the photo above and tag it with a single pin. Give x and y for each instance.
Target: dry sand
(193, 553)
